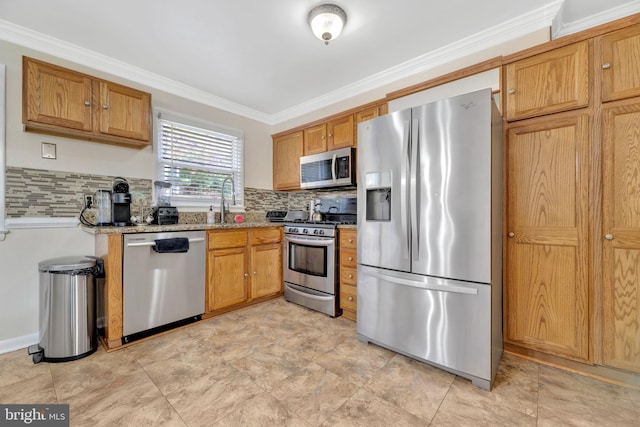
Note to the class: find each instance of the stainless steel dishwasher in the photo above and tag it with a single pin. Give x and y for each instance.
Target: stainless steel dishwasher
(163, 281)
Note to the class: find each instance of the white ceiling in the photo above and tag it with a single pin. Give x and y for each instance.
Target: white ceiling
(259, 58)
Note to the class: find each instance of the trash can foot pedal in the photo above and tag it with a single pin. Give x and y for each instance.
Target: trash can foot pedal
(36, 352)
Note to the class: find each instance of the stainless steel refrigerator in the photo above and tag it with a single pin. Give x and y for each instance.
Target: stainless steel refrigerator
(430, 234)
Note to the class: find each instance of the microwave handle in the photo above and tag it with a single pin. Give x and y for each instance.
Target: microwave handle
(334, 166)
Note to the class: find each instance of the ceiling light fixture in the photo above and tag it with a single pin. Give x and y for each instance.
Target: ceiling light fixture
(326, 21)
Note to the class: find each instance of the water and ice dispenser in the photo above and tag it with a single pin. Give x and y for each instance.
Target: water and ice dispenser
(378, 202)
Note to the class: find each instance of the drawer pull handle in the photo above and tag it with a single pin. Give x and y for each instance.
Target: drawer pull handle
(350, 298)
(351, 276)
(350, 258)
(87, 103)
(608, 236)
(512, 91)
(350, 240)
(512, 234)
(105, 106)
(606, 65)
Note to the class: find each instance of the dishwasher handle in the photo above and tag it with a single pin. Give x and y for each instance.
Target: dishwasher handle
(152, 243)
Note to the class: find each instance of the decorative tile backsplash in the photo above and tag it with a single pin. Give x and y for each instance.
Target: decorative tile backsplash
(36, 193)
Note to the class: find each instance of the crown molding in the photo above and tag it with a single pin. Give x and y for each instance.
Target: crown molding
(504, 32)
(40, 42)
(561, 28)
(496, 35)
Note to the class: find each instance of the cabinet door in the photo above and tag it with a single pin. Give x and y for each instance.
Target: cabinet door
(367, 114)
(340, 133)
(55, 96)
(287, 150)
(124, 112)
(621, 242)
(266, 263)
(547, 83)
(227, 279)
(547, 188)
(620, 64)
(315, 139)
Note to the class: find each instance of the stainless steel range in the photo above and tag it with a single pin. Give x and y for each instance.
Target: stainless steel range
(310, 254)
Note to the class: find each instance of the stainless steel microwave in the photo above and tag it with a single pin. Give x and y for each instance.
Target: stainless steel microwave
(334, 168)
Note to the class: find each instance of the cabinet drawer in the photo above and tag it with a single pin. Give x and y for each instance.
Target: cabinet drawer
(218, 240)
(348, 297)
(348, 258)
(266, 236)
(348, 239)
(348, 276)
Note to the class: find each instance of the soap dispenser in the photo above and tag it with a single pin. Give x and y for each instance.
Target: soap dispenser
(211, 219)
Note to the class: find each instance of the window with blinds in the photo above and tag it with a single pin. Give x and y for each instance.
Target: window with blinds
(196, 157)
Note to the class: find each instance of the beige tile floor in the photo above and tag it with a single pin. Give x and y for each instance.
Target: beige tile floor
(278, 364)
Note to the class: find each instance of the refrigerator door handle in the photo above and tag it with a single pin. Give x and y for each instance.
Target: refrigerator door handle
(334, 167)
(458, 289)
(415, 189)
(405, 186)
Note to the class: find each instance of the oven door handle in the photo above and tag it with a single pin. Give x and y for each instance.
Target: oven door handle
(310, 242)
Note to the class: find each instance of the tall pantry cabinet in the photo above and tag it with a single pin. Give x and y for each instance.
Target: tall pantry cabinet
(573, 201)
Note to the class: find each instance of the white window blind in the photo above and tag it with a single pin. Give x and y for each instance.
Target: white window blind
(196, 157)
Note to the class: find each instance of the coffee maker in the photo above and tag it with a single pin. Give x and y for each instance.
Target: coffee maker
(120, 203)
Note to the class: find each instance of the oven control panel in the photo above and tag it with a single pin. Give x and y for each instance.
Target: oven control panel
(304, 229)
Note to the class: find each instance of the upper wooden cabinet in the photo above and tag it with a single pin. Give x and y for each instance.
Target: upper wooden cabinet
(124, 112)
(287, 150)
(370, 113)
(620, 64)
(334, 134)
(340, 133)
(56, 100)
(315, 139)
(550, 82)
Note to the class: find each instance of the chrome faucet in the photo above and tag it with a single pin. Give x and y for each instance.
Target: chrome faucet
(233, 196)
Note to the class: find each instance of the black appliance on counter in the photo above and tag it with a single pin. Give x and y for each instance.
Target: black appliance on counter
(165, 215)
(287, 216)
(121, 203)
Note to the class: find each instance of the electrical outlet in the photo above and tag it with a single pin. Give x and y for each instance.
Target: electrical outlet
(88, 201)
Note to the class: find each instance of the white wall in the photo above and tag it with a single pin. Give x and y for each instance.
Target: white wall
(20, 254)
(23, 249)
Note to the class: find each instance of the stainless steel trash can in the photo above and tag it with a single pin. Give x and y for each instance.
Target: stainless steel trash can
(67, 309)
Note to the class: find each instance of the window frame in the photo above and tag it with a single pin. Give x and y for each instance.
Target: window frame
(189, 203)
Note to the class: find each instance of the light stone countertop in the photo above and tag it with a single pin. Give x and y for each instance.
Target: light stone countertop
(351, 226)
(177, 227)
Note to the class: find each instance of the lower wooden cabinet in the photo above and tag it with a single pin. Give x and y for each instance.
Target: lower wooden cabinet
(266, 262)
(348, 269)
(243, 266)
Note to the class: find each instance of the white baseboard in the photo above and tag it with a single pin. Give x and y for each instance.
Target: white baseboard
(17, 343)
